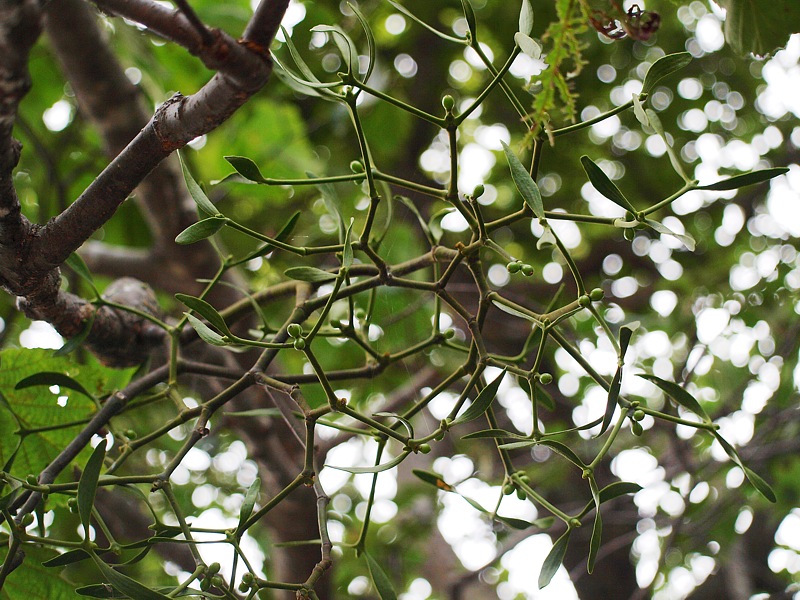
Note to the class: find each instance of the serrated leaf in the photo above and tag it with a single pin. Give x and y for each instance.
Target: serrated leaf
(374, 469)
(664, 66)
(482, 402)
(526, 17)
(196, 192)
(759, 28)
(434, 479)
(554, 559)
(205, 310)
(249, 503)
(594, 545)
(310, 274)
(200, 230)
(379, 579)
(87, 486)
(206, 334)
(246, 168)
(679, 395)
(126, 585)
(525, 184)
(686, 239)
(48, 378)
(739, 181)
(528, 45)
(604, 185)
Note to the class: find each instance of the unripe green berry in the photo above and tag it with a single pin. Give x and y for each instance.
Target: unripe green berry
(636, 428)
(243, 587)
(508, 489)
(32, 480)
(357, 166)
(525, 479)
(521, 494)
(299, 344)
(205, 585)
(424, 448)
(596, 294)
(248, 577)
(213, 568)
(478, 191)
(448, 103)
(217, 581)
(131, 434)
(584, 300)
(527, 270)
(629, 234)
(546, 378)
(26, 520)
(448, 334)
(72, 505)
(294, 330)
(638, 415)
(514, 267)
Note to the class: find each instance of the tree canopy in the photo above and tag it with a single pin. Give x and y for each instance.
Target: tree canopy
(399, 299)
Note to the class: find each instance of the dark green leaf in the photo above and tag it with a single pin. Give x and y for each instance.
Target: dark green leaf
(757, 27)
(525, 184)
(48, 378)
(469, 15)
(666, 65)
(604, 185)
(68, 558)
(554, 559)
(249, 502)
(126, 585)
(87, 486)
(99, 590)
(375, 469)
(762, 487)
(379, 579)
(625, 334)
(518, 524)
(201, 230)
(616, 489)
(482, 402)
(310, 274)
(256, 412)
(611, 403)
(206, 334)
(434, 479)
(246, 168)
(76, 341)
(347, 253)
(197, 194)
(205, 310)
(564, 451)
(738, 181)
(526, 17)
(679, 394)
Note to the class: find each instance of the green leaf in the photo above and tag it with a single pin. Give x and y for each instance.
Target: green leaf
(68, 558)
(760, 28)
(370, 40)
(374, 469)
(379, 579)
(434, 479)
(554, 559)
(347, 253)
(604, 185)
(482, 402)
(564, 451)
(666, 65)
(332, 202)
(762, 487)
(618, 488)
(403, 10)
(281, 236)
(255, 412)
(206, 334)
(526, 17)
(611, 403)
(424, 225)
(99, 590)
(492, 433)
(738, 181)
(246, 168)
(197, 194)
(126, 585)
(435, 223)
(310, 274)
(201, 230)
(469, 15)
(249, 503)
(76, 341)
(205, 310)
(48, 378)
(594, 545)
(405, 422)
(686, 239)
(525, 184)
(77, 264)
(679, 395)
(625, 334)
(528, 45)
(345, 45)
(33, 581)
(87, 486)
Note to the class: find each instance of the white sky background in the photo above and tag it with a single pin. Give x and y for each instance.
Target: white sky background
(718, 327)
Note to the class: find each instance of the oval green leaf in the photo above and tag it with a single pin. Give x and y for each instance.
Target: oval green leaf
(205, 310)
(525, 184)
(554, 559)
(526, 17)
(87, 486)
(200, 230)
(379, 579)
(196, 192)
(664, 66)
(679, 395)
(310, 274)
(206, 334)
(246, 168)
(482, 402)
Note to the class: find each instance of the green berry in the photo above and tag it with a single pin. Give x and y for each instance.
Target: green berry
(596, 294)
(213, 568)
(205, 585)
(527, 270)
(629, 234)
(584, 300)
(521, 494)
(638, 415)
(448, 334)
(514, 267)
(26, 520)
(299, 344)
(448, 103)
(636, 428)
(72, 505)
(478, 191)
(294, 330)
(248, 577)
(243, 587)
(217, 581)
(545, 378)
(357, 166)
(508, 489)
(424, 448)
(32, 480)
(131, 434)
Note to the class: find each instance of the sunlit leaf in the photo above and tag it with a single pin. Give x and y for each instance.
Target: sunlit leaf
(739, 181)
(205, 310)
(469, 15)
(528, 45)
(666, 65)
(686, 239)
(762, 487)
(526, 17)
(206, 334)
(525, 184)
(434, 479)
(405, 422)
(604, 185)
